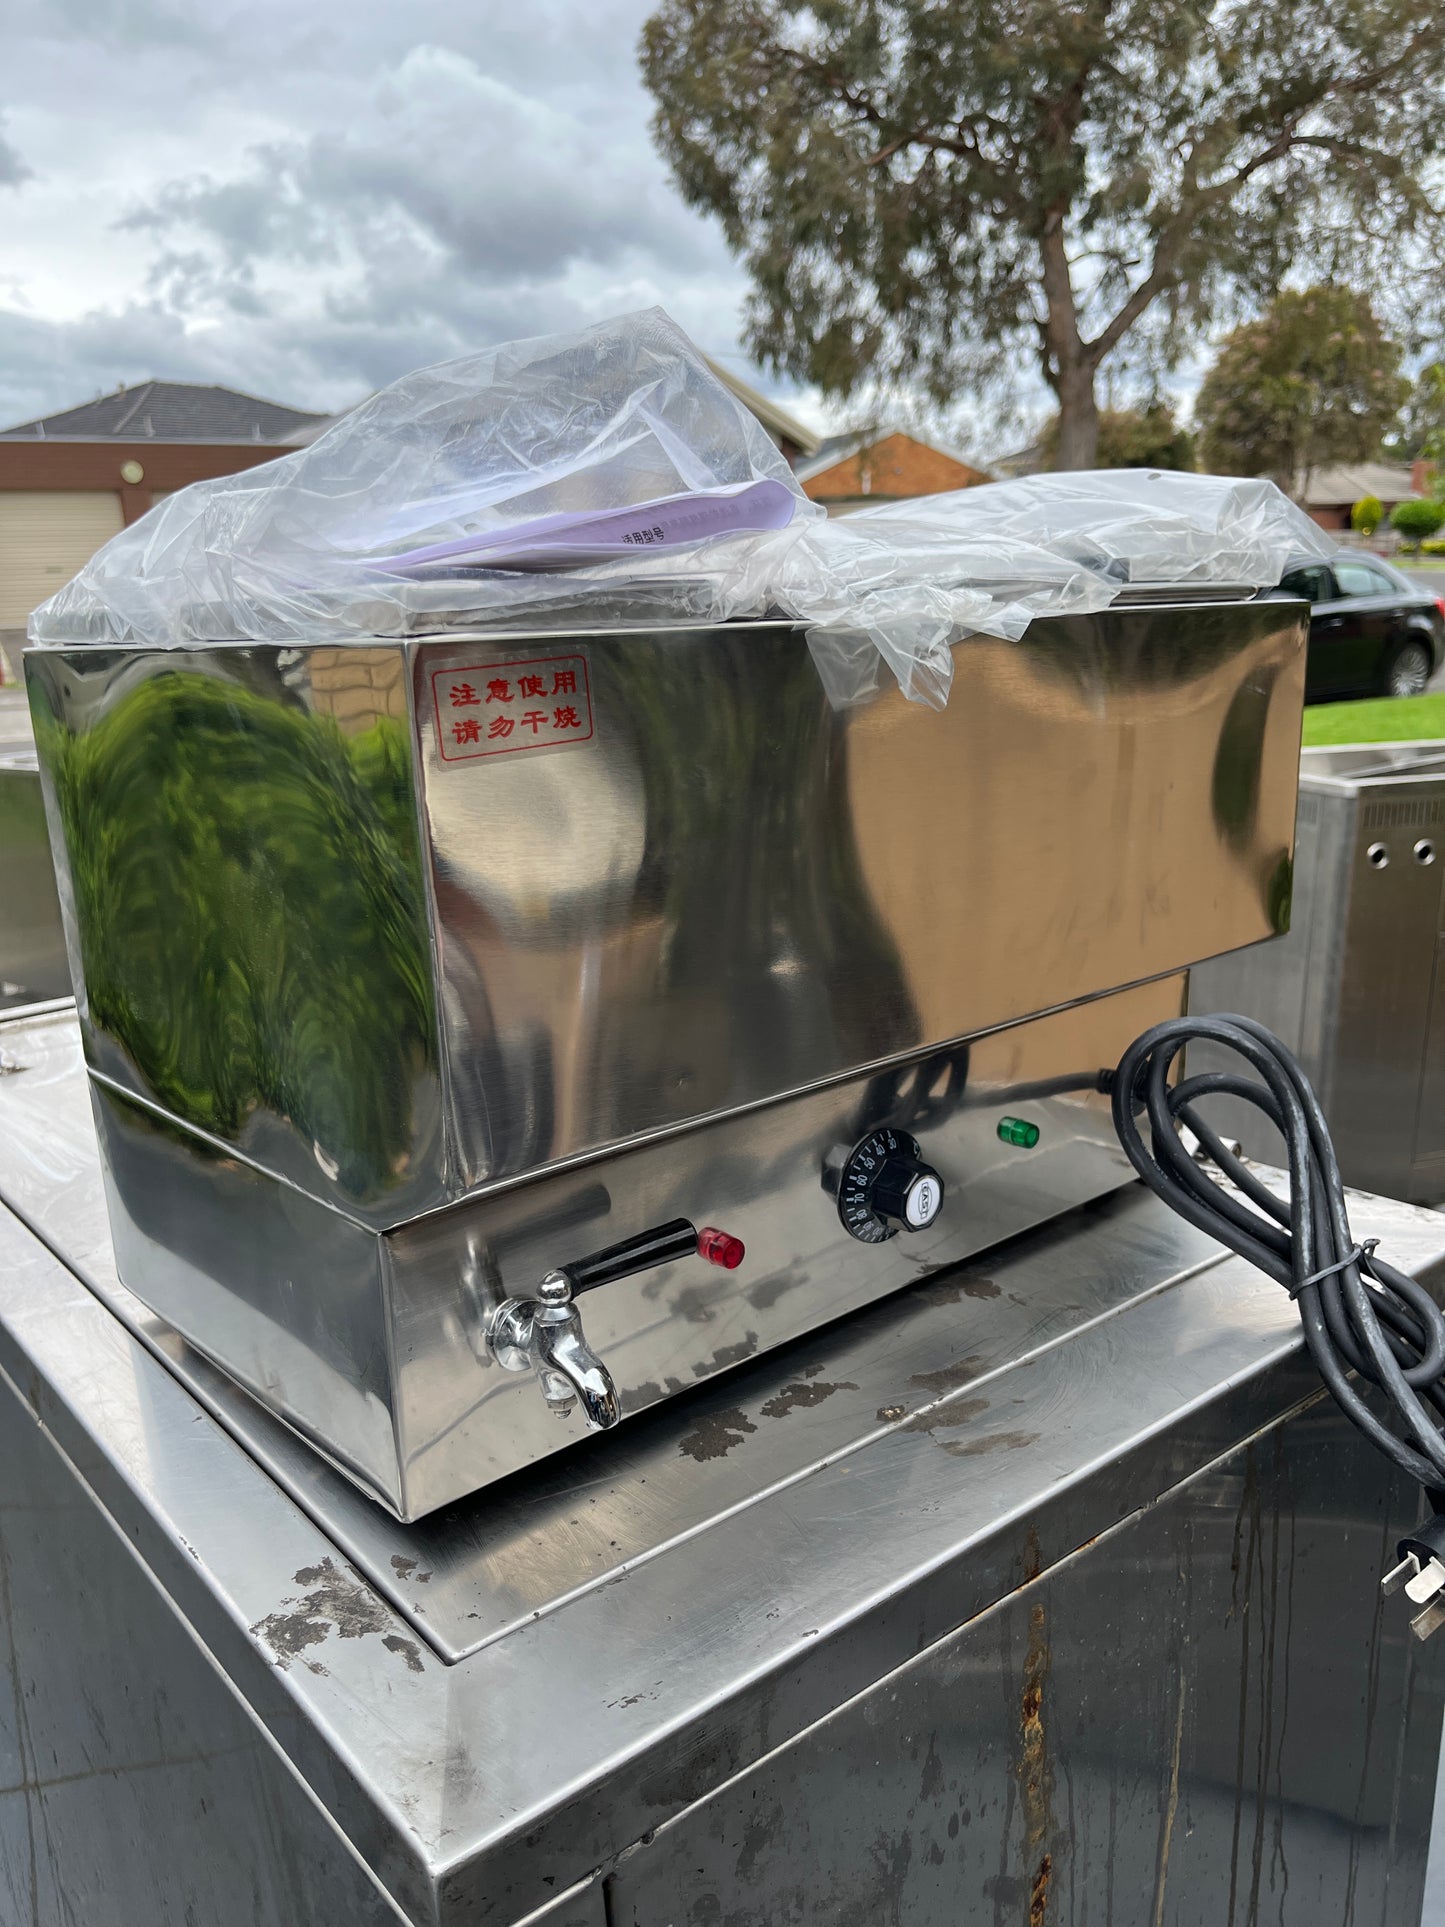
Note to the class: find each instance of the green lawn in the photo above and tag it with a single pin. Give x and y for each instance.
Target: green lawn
(1390, 719)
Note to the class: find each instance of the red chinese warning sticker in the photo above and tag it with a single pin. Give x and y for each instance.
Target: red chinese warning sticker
(504, 706)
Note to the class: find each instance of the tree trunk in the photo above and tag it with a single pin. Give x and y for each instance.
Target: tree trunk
(1067, 366)
(1078, 443)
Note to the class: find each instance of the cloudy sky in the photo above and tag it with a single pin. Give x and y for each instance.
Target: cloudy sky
(306, 198)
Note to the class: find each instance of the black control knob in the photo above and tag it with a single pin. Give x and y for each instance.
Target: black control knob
(885, 1187)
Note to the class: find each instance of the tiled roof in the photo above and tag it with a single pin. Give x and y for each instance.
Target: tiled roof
(169, 411)
(1343, 486)
(773, 416)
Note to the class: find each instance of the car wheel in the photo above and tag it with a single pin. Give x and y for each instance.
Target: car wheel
(1407, 669)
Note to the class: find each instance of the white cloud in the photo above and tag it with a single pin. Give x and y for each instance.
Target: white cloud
(308, 202)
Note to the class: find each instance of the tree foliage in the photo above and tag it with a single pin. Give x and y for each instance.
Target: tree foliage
(1422, 428)
(1367, 515)
(926, 192)
(1416, 521)
(1314, 380)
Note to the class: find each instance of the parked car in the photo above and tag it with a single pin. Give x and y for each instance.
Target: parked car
(1372, 631)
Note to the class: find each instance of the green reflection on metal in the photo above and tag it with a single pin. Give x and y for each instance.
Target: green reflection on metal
(1279, 894)
(251, 913)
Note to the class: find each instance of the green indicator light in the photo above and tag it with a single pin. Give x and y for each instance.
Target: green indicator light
(1018, 1130)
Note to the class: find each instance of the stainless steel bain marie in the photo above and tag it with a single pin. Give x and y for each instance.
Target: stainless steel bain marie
(416, 973)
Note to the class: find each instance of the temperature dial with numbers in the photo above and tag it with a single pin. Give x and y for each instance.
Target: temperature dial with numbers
(884, 1187)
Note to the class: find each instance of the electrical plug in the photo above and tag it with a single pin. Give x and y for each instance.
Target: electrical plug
(1421, 1572)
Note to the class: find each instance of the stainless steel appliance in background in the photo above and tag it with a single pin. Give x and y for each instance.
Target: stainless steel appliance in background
(429, 985)
(1356, 989)
(33, 967)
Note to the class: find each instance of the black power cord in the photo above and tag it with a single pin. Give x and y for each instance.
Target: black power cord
(1360, 1314)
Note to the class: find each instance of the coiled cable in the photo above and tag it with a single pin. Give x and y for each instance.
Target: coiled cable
(1359, 1313)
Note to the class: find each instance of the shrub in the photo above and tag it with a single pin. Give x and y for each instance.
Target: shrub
(1416, 520)
(1367, 515)
(1432, 548)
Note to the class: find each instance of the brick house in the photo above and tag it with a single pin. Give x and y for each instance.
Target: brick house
(1328, 494)
(881, 465)
(70, 481)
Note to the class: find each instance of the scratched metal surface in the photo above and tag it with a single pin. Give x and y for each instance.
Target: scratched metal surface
(134, 1791)
(709, 1638)
(1205, 1718)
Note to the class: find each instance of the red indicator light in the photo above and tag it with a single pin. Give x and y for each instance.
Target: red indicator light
(720, 1248)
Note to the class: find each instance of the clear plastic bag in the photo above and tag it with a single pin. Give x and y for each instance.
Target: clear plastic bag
(606, 478)
(300, 549)
(876, 588)
(1139, 525)
(889, 582)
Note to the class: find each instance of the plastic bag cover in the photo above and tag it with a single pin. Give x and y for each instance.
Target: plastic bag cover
(483, 493)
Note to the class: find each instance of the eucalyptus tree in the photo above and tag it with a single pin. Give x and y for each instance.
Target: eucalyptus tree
(941, 192)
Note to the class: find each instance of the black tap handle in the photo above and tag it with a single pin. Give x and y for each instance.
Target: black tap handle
(660, 1246)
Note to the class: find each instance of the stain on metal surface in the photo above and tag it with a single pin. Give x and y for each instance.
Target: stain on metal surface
(803, 1393)
(1264, 1630)
(930, 1783)
(949, 1290)
(943, 1417)
(961, 1372)
(409, 1650)
(697, 1304)
(758, 1838)
(1033, 1555)
(715, 1436)
(337, 1602)
(991, 1442)
(1171, 1809)
(1036, 1773)
(728, 1355)
(892, 1855)
(1039, 1892)
(763, 1295)
(887, 1413)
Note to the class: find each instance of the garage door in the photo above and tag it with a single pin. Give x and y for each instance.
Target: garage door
(45, 536)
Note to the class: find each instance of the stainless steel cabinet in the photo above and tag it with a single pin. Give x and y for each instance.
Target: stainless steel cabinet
(33, 965)
(1356, 988)
(1048, 1590)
